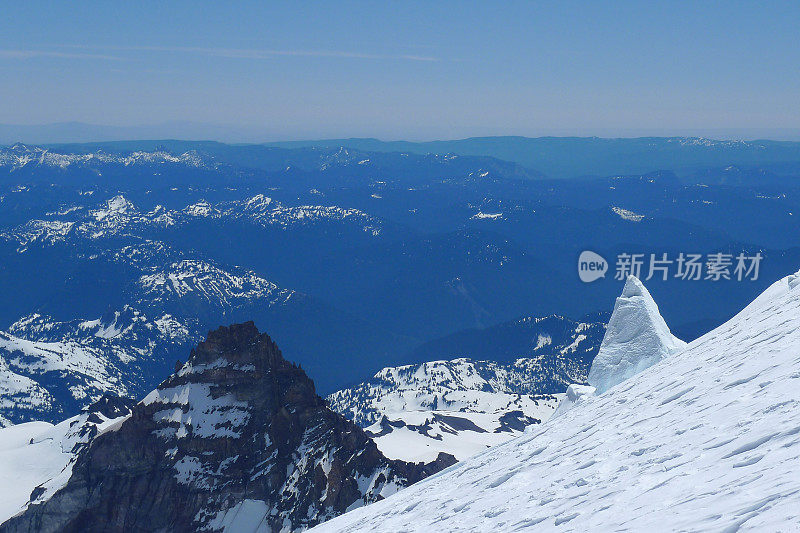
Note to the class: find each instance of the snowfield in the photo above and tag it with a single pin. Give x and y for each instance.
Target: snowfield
(706, 439)
(459, 407)
(420, 436)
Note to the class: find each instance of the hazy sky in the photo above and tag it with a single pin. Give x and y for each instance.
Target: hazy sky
(288, 70)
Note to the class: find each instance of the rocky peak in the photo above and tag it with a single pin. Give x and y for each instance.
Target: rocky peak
(241, 344)
(111, 406)
(237, 435)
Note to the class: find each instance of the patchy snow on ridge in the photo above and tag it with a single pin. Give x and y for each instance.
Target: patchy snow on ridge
(707, 440)
(20, 155)
(89, 364)
(117, 216)
(626, 214)
(20, 396)
(636, 338)
(480, 215)
(210, 284)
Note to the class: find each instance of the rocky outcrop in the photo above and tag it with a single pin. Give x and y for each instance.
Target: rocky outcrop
(237, 437)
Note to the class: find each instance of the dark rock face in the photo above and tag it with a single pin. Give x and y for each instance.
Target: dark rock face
(112, 406)
(84, 429)
(237, 437)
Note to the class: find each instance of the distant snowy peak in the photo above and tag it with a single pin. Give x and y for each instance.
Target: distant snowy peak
(713, 143)
(127, 324)
(627, 214)
(267, 212)
(341, 157)
(636, 338)
(21, 155)
(116, 206)
(201, 209)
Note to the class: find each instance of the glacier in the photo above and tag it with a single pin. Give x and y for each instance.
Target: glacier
(706, 439)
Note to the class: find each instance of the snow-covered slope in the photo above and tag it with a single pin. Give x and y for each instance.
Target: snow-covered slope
(636, 338)
(420, 436)
(460, 407)
(38, 379)
(37, 457)
(21, 398)
(706, 440)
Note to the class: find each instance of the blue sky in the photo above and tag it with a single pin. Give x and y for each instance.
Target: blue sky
(407, 70)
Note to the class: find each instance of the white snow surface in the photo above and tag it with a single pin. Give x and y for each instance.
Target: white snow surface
(39, 453)
(575, 393)
(20, 392)
(419, 436)
(707, 440)
(636, 338)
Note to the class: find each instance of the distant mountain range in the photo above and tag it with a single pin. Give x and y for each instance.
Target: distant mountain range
(462, 406)
(433, 298)
(116, 257)
(569, 157)
(555, 157)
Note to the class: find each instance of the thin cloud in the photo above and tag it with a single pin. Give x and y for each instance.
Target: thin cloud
(30, 54)
(246, 53)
